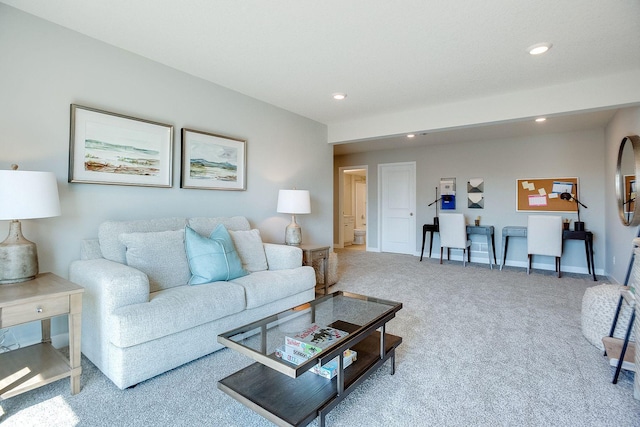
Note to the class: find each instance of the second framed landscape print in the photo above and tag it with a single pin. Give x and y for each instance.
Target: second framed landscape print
(213, 162)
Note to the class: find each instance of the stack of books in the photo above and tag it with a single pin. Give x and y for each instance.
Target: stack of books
(307, 343)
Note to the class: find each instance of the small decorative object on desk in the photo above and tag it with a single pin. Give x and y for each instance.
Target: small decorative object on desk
(565, 223)
(315, 338)
(477, 222)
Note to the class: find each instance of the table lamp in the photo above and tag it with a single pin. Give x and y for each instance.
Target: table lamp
(293, 202)
(578, 225)
(24, 195)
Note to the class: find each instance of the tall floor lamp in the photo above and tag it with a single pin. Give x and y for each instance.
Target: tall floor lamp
(293, 202)
(24, 195)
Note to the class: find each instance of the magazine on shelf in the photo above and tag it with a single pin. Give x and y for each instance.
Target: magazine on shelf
(315, 338)
(328, 370)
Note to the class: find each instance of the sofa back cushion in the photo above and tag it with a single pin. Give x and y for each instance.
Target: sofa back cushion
(160, 255)
(109, 232)
(205, 226)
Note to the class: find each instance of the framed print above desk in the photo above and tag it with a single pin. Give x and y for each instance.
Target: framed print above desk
(543, 194)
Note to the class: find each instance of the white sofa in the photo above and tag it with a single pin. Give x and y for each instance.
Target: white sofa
(140, 317)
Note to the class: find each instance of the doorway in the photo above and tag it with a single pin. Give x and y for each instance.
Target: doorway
(353, 207)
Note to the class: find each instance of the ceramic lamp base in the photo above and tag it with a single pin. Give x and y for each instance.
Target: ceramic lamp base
(293, 233)
(18, 257)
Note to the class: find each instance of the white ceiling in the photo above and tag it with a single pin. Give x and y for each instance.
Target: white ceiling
(388, 56)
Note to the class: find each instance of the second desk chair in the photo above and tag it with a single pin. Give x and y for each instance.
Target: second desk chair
(453, 234)
(544, 237)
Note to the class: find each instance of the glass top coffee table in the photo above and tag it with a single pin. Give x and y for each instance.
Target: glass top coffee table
(281, 386)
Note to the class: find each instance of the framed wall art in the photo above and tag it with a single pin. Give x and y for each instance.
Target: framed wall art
(110, 148)
(213, 162)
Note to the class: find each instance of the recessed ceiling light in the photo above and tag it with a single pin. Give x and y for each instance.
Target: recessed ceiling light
(539, 48)
(541, 119)
(411, 135)
(339, 96)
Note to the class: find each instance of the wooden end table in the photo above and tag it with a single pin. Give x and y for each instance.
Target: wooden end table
(40, 299)
(312, 253)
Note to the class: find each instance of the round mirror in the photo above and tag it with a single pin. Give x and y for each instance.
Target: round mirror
(628, 168)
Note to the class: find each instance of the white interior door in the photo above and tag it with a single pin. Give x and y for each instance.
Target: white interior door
(398, 207)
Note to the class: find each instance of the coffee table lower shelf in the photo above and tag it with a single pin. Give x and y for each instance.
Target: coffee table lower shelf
(288, 401)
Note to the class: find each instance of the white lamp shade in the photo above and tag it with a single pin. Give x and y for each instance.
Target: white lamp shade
(28, 194)
(294, 202)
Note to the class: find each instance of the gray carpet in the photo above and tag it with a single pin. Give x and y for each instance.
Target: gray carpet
(481, 348)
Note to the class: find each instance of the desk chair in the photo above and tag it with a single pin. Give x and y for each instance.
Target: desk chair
(544, 237)
(453, 234)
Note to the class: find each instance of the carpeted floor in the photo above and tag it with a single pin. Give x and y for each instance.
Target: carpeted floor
(480, 347)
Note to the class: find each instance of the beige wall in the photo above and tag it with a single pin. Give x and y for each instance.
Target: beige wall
(45, 68)
(618, 237)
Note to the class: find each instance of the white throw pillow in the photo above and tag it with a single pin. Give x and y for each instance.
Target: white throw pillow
(250, 248)
(161, 255)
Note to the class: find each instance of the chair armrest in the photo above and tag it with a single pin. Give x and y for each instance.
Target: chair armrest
(109, 284)
(282, 257)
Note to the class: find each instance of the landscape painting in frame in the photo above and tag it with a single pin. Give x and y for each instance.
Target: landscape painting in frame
(213, 162)
(109, 148)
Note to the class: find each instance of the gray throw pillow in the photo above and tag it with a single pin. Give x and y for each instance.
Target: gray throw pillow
(250, 248)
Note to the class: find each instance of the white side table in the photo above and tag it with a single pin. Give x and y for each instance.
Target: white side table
(40, 299)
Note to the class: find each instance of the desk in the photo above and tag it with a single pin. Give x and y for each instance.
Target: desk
(510, 231)
(311, 253)
(431, 228)
(486, 230)
(587, 236)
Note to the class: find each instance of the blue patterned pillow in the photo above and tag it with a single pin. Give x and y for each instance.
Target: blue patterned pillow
(212, 259)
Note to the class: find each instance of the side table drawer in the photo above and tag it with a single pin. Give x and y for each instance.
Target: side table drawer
(29, 312)
(316, 255)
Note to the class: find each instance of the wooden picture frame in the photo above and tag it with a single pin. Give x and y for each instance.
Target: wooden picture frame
(111, 148)
(213, 162)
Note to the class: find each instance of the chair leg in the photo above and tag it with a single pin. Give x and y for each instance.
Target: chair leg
(528, 263)
(464, 257)
(441, 249)
(558, 266)
(469, 254)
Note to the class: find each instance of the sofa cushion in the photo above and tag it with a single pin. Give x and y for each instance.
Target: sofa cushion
(250, 249)
(161, 255)
(174, 310)
(109, 232)
(212, 259)
(205, 225)
(263, 287)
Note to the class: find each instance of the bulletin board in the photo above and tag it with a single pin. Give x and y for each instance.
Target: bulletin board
(543, 194)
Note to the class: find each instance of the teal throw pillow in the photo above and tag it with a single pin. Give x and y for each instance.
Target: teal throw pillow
(212, 259)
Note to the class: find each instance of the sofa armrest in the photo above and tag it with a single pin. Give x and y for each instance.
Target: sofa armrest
(110, 284)
(282, 257)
